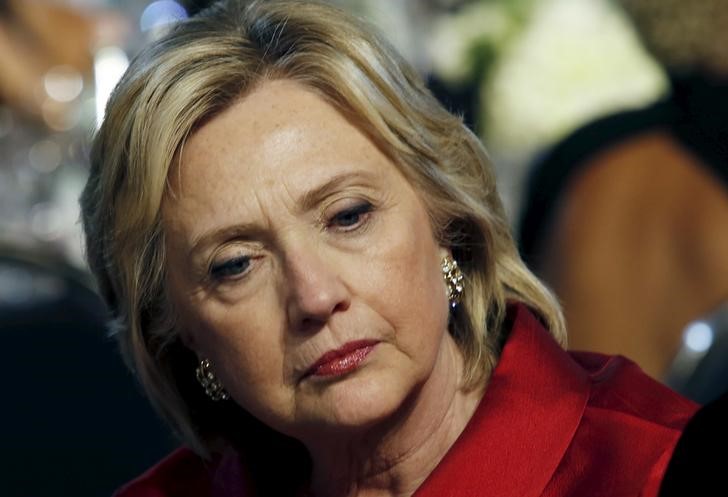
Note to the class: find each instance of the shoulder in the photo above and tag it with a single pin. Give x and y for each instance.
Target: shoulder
(621, 389)
(628, 431)
(182, 473)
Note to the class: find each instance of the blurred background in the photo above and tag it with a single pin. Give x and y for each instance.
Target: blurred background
(607, 123)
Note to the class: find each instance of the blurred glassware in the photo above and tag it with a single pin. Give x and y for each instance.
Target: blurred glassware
(66, 59)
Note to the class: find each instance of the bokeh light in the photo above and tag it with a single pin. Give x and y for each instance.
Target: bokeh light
(109, 65)
(63, 83)
(161, 13)
(698, 336)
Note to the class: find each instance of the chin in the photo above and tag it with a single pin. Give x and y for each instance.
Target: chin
(362, 401)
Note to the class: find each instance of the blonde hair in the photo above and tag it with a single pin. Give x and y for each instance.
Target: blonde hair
(200, 68)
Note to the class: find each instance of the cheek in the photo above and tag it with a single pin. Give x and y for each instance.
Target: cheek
(244, 344)
(408, 284)
(254, 373)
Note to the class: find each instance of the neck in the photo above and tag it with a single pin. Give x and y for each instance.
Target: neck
(395, 457)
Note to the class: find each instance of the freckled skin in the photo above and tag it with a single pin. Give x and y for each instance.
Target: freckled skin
(311, 286)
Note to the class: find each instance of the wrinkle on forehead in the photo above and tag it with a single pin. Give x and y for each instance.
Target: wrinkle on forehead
(273, 122)
(261, 154)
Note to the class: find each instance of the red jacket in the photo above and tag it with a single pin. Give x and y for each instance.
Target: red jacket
(551, 423)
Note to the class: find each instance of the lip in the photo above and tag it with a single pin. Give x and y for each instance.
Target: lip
(342, 360)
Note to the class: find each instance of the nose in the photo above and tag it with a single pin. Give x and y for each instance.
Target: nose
(315, 290)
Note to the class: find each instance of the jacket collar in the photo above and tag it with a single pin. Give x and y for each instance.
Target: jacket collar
(524, 424)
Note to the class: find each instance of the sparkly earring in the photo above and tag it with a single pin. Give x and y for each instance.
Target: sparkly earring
(453, 280)
(208, 380)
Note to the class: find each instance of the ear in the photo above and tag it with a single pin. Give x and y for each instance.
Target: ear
(188, 339)
(444, 252)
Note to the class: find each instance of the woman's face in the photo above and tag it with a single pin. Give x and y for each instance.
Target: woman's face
(303, 265)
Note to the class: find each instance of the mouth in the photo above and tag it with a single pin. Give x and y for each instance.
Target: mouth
(342, 360)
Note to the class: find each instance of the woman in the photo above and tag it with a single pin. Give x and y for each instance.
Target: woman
(274, 201)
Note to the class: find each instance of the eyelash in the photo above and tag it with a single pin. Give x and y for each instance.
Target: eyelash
(361, 210)
(231, 269)
(228, 269)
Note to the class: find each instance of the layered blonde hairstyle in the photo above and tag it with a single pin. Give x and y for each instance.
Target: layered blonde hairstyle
(202, 67)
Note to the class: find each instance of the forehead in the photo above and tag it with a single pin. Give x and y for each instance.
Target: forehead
(280, 122)
(281, 137)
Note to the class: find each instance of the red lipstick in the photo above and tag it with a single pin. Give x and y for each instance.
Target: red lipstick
(342, 360)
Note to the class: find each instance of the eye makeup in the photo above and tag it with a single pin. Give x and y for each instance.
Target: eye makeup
(229, 268)
(351, 218)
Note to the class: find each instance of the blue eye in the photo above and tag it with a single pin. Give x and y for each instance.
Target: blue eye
(230, 268)
(350, 219)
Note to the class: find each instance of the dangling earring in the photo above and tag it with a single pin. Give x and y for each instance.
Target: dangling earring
(453, 280)
(208, 381)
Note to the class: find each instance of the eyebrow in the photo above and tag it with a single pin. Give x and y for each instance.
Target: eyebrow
(305, 202)
(311, 198)
(239, 231)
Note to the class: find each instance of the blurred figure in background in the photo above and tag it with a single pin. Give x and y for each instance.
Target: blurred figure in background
(627, 218)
